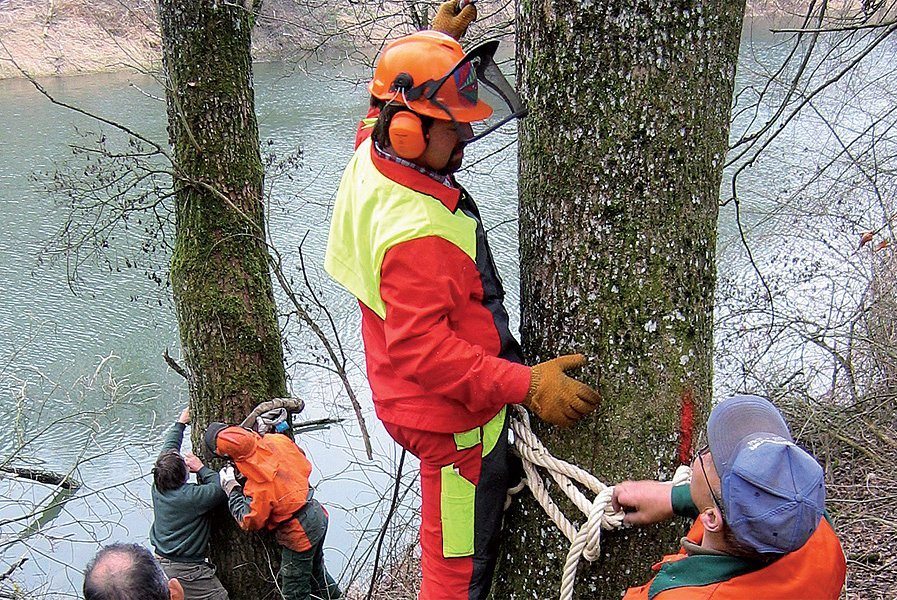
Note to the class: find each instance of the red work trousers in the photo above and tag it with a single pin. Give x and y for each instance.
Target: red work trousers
(464, 479)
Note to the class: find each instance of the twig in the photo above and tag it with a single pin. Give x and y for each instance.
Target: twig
(81, 111)
(275, 262)
(835, 29)
(858, 447)
(879, 433)
(13, 567)
(381, 535)
(177, 368)
(48, 477)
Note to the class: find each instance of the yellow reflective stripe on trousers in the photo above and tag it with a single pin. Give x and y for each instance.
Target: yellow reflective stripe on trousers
(456, 507)
(488, 434)
(467, 439)
(492, 430)
(458, 495)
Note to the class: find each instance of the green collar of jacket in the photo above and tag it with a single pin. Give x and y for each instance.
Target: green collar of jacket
(699, 570)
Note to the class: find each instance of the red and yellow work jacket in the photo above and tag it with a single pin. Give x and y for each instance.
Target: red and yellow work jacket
(816, 571)
(366, 126)
(276, 494)
(413, 251)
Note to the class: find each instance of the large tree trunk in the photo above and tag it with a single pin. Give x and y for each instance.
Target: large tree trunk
(219, 270)
(620, 167)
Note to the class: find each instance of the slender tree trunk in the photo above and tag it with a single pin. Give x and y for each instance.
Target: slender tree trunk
(219, 270)
(620, 167)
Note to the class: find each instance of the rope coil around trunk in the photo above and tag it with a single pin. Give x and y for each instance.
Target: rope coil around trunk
(291, 404)
(585, 542)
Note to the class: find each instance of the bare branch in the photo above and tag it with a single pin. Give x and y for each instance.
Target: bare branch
(177, 368)
(63, 481)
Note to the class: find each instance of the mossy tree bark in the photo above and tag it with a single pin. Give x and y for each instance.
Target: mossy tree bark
(219, 271)
(620, 167)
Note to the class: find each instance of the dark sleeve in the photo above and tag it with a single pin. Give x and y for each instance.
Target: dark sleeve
(682, 502)
(239, 505)
(173, 437)
(206, 475)
(208, 493)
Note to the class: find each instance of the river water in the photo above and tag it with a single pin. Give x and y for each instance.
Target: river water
(83, 380)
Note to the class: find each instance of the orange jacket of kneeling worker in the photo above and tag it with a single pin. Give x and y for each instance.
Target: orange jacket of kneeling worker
(815, 571)
(276, 488)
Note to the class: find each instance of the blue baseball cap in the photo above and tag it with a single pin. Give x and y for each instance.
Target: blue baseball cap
(773, 492)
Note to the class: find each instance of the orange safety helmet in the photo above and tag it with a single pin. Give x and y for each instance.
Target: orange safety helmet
(429, 72)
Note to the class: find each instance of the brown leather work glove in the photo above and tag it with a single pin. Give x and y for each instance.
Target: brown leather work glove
(557, 398)
(451, 21)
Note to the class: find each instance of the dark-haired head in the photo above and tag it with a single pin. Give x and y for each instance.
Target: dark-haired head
(170, 471)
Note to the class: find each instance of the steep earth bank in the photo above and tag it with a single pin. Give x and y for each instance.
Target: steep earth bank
(67, 37)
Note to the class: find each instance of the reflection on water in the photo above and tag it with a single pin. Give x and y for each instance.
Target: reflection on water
(83, 376)
(804, 204)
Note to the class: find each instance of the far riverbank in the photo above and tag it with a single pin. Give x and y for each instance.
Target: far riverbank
(102, 36)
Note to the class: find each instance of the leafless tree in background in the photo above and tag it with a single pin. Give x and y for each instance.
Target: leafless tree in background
(55, 430)
(811, 322)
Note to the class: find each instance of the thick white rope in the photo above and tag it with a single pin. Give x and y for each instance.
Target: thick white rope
(293, 404)
(585, 542)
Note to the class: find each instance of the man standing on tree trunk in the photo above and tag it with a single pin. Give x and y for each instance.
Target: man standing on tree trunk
(407, 240)
(180, 531)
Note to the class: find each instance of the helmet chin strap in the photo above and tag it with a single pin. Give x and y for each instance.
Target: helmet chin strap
(395, 96)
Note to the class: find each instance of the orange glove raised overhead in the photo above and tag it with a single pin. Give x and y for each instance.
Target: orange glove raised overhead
(451, 21)
(557, 398)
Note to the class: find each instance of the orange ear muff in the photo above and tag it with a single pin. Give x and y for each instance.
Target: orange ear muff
(406, 135)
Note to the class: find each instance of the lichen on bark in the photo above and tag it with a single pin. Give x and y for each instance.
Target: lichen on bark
(220, 265)
(620, 164)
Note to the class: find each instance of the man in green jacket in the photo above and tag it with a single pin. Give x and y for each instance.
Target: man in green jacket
(180, 531)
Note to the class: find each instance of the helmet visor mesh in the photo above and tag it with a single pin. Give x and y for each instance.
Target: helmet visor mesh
(477, 78)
